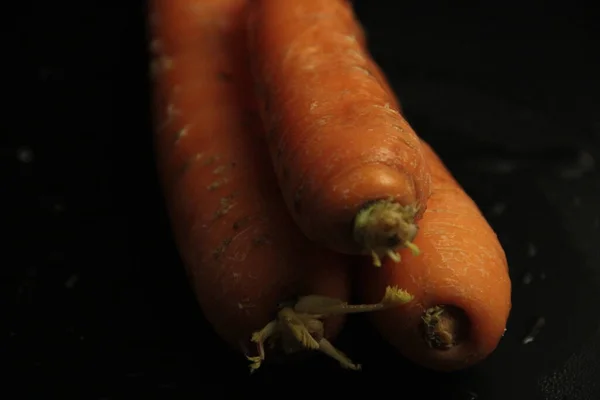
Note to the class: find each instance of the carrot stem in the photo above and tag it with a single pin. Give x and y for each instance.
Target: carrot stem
(385, 226)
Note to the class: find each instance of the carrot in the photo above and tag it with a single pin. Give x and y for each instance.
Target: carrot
(461, 284)
(349, 165)
(242, 251)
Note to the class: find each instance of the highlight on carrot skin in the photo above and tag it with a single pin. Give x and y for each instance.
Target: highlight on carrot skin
(300, 327)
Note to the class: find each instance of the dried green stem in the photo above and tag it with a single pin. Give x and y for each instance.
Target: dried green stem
(303, 324)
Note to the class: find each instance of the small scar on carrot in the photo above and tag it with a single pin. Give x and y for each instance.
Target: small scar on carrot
(219, 169)
(181, 133)
(245, 305)
(210, 160)
(398, 128)
(217, 184)
(382, 227)
(240, 223)
(303, 324)
(364, 70)
(444, 327)
(218, 252)
(226, 204)
(388, 108)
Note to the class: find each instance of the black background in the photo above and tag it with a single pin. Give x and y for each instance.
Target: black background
(94, 298)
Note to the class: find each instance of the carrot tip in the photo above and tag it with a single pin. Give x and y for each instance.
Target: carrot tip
(444, 327)
(384, 226)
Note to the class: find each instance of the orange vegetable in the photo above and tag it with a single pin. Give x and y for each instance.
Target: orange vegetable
(461, 286)
(349, 165)
(243, 253)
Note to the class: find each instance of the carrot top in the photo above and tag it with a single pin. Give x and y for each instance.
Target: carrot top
(384, 226)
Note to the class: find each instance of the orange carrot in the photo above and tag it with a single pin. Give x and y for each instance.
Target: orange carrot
(349, 165)
(242, 251)
(461, 284)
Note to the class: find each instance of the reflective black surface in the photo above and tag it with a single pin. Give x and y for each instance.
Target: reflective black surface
(94, 298)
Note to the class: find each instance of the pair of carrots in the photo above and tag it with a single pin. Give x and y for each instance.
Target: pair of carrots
(284, 158)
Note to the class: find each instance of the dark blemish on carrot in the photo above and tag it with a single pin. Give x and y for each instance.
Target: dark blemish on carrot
(237, 225)
(225, 76)
(233, 164)
(218, 252)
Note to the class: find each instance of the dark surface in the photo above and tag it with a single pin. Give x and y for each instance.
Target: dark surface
(94, 298)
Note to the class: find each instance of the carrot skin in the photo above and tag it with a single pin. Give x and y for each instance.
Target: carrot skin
(463, 267)
(335, 134)
(241, 249)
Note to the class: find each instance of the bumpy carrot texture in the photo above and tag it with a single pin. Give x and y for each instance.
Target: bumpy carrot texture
(350, 167)
(242, 251)
(461, 284)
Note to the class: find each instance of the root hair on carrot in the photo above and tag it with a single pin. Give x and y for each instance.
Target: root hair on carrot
(384, 226)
